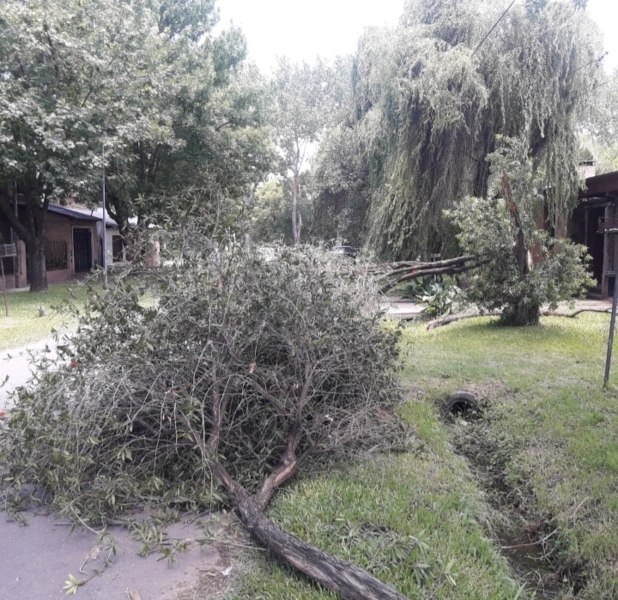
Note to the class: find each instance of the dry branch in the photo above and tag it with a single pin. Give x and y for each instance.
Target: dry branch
(551, 313)
(459, 317)
(401, 272)
(340, 576)
(546, 313)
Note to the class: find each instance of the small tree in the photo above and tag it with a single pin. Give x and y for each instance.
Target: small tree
(527, 266)
(247, 366)
(305, 104)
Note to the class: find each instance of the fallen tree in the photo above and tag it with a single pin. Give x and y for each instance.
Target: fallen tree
(400, 272)
(442, 321)
(214, 380)
(529, 266)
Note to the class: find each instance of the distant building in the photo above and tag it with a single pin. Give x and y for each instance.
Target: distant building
(592, 224)
(71, 248)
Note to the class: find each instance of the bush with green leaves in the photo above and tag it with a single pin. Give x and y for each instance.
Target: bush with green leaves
(528, 267)
(221, 357)
(441, 294)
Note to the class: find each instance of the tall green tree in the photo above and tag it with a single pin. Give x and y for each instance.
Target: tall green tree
(431, 95)
(74, 76)
(143, 83)
(51, 79)
(210, 134)
(305, 98)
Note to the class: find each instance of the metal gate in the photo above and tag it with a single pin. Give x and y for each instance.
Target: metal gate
(82, 249)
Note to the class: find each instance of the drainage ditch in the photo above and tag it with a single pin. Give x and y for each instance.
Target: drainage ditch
(526, 538)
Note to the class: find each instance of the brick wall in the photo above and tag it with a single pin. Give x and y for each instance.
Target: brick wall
(59, 228)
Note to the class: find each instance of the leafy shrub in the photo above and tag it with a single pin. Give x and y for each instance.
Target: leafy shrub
(439, 293)
(287, 341)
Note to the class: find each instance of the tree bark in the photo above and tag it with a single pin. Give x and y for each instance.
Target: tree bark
(524, 314)
(340, 576)
(32, 232)
(295, 220)
(36, 265)
(298, 161)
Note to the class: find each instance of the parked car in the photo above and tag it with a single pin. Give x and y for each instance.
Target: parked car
(345, 251)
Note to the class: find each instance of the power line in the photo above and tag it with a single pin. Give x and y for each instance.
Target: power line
(495, 25)
(592, 62)
(604, 83)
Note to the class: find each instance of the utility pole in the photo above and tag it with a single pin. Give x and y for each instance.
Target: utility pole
(610, 227)
(104, 259)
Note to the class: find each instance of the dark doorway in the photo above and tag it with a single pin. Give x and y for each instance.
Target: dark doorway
(596, 241)
(82, 249)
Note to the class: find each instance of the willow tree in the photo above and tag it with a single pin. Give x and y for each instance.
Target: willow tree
(431, 95)
(598, 136)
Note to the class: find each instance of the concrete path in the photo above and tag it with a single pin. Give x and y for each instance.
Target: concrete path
(38, 558)
(15, 367)
(403, 309)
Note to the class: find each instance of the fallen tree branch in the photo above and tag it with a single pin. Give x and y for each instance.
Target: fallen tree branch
(459, 317)
(403, 272)
(551, 313)
(349, 580)
(546, 313)
(404, 267)
(340, 576)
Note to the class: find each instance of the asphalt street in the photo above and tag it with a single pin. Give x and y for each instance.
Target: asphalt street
(15, 367)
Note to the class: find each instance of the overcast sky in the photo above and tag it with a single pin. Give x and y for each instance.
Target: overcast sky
(303, 29)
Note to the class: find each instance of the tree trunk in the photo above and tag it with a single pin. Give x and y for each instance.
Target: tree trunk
(295, 219)
(525, 314)
(32, 232)
(340, 576)
(36, 265)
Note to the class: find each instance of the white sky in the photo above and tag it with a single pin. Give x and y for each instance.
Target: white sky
(303, 29)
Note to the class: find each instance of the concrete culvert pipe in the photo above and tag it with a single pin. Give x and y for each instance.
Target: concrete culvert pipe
(461, 403)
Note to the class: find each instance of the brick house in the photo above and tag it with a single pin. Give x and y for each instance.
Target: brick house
(71, 249)
(597, 213)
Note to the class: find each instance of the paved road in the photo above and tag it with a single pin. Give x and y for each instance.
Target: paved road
(403, 309)
(15, 367)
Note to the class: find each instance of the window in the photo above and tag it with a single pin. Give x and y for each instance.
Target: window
(8, 263)
(55, 255)
(117, 248)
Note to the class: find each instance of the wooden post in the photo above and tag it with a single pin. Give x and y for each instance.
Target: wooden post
(6, 304)
(6, 250)
(612, 326)
(609, 228)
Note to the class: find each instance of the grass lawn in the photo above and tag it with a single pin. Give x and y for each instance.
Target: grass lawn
(423, 522)
(24, 325)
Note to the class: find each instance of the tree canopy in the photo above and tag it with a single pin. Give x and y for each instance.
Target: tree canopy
(142, 88)
(430, 97)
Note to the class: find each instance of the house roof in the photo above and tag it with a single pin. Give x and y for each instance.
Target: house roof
(71, 213)
(98, 212)
(64, 211)
(601, 186)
